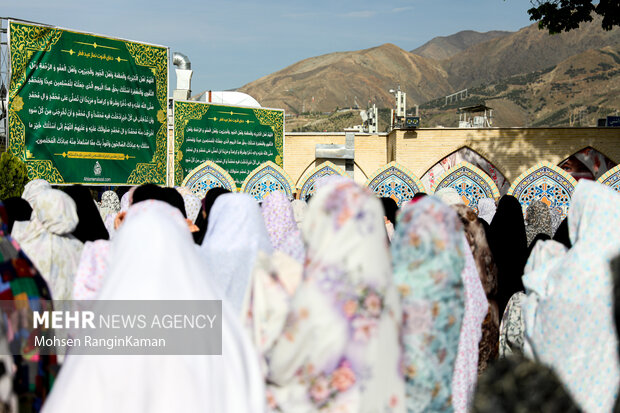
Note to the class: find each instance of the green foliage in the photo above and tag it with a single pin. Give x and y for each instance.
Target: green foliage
(13, 176)
(612, 55)
(559, 16)
(557, 118)
(518, 96)
(603, 76)
(574, 72)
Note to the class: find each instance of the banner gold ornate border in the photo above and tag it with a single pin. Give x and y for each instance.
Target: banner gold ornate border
(25, 40)
(275, 120)
(186, 111)
(183, 113)
(155, 58)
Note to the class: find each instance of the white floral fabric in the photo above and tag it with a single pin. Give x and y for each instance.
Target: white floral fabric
(512, 327)
(47, 240)
(193, 205)
(339, 350)
(568, 310)
(274, 282)
(108, 208)
(91, 270)
(280, 222)
(235, 235)
(109, 205)
(476, 306)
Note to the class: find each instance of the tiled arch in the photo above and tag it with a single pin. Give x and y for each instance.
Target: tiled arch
(546, 182)
(208, 175)
(307, 183)
(452, 157)
(265, 179)
(611, 178)
(471, 183)
(395, 181)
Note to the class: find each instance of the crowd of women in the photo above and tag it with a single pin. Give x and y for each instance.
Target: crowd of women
(341, 304)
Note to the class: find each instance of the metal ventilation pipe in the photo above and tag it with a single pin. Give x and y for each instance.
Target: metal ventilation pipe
(184, 76)
(181, 61)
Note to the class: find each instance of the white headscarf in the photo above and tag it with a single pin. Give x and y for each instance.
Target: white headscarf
(299, 210)
(512, 327)
(476, 306)
(33, 189)
(568, 312)
(109, 205)
(235, 234)
(126, 199)
(274, 282)
(486, 209)
(153, 258)
(544, 252)
(47, 240)
(193, 205)
(108, 208)
(449, 196)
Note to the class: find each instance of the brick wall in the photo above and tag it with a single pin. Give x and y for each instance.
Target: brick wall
(511, 150)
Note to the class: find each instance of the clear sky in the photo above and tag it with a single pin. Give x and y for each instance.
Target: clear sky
(231, 43)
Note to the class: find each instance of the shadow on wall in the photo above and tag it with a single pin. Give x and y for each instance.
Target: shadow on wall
(505, 153)
(597, 149)
(465, 154)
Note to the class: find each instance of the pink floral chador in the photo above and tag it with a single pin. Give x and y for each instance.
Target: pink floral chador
(338, 349)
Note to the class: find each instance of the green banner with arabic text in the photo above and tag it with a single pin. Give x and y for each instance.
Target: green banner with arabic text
(87, 109)
(238, 139)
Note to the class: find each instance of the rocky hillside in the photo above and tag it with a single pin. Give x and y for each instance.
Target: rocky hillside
(349, 79)
(529, 77)
(525, 51)
(444, 47)
(576, 91)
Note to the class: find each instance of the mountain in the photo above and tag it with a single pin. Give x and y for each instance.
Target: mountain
(347, 79)
(528, 76)
(527, 50)
(444, 47)
(576, 91)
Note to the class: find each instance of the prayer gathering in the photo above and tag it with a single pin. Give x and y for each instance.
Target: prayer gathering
(342, 303)
(319, 207)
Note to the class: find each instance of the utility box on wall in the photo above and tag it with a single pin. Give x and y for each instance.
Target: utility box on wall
(341, 155)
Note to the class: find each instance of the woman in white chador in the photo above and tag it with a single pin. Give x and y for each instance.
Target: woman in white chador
(47, 240)
(153, 257)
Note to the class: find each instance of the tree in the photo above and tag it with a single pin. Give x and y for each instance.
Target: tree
(559, 16)
(13, 176)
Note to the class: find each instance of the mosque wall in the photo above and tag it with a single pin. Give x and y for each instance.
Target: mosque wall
(299, 151)
(511, 150)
